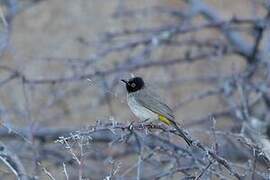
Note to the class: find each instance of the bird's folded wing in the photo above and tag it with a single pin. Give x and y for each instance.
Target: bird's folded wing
(152, 102)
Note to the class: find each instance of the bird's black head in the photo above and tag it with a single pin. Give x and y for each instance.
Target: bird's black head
(134, 84)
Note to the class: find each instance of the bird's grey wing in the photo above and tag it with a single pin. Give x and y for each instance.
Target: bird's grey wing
(152, 102)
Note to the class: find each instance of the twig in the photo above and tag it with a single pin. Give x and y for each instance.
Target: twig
(65, 171)
(45, 170)
(204, 171)
(13, 162)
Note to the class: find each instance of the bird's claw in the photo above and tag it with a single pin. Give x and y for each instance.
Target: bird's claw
(130, 126)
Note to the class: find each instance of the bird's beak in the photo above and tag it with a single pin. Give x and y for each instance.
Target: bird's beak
(124, 81)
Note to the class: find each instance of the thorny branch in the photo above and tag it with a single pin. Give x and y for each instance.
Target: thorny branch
(114, 133)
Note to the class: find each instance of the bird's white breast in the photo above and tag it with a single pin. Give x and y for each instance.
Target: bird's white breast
(141, 112)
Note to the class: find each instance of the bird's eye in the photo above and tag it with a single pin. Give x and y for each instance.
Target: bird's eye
(133, 85)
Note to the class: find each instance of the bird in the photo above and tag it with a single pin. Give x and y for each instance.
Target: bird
(148, 106)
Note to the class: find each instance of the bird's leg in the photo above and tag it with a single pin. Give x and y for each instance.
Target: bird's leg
(130, 129)
(130, 126)
(145, 122)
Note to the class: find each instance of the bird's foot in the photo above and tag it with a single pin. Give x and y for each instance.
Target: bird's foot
(130, 126)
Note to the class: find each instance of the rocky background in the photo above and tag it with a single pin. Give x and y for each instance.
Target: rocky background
(63, 108)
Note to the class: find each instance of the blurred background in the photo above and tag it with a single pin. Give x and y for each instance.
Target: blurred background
(61, 65)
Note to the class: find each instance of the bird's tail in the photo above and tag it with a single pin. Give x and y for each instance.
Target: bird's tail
(182, 134)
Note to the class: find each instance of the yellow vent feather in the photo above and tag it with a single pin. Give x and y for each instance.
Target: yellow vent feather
(164, 120)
